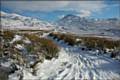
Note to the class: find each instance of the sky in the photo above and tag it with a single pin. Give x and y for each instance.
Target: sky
(55, 10)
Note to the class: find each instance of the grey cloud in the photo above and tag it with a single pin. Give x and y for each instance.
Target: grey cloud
(89, 6)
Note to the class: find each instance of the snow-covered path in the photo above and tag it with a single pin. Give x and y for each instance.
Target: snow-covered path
(75, 64)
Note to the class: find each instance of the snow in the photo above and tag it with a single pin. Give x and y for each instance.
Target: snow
(79, 25)
(20, 47)
(27, 41)
(78, 39)
(44, 34)
(74, 63)
(15, 76)
(16, 21)
(5, 64)
(28, 76)
(16, 38)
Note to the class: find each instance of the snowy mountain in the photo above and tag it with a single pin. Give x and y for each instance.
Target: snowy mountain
(55, 56)
(15, 21)
(90, 26)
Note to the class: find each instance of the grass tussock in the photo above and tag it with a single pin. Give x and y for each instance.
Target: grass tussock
(94, 42)
(90, 42)
(49, 47)
(32, 37)
(46, 46)
(30, 48)
(8, 35)
(68, 38)
(18, 42)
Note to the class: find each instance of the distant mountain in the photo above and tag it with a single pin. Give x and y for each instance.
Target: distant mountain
(72, 21)
(15, 21)
(82, 22)
(83, 25)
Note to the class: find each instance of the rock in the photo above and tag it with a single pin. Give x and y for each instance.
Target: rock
(13, 68)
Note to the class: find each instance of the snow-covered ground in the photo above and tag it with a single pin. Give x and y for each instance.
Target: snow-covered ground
(16, 38)
(74, 64)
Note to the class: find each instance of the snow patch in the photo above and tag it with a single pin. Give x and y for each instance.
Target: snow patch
(20, 47)
(16, 38)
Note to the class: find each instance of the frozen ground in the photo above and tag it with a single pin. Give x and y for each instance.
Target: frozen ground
(73, 63)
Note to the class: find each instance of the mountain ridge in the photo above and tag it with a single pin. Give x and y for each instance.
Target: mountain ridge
(86, 25)
(16, 21)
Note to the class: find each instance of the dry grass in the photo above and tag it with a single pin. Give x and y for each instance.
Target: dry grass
(8, 35)
(18, 42)
(94, 42)
(32, 37)
(90, 42)
(48, 47)
(68, 38)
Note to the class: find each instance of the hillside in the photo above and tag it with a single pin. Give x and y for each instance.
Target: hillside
(16, 21)
(82, 25)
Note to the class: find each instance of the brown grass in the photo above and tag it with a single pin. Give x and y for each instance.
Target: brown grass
(18, 42)
(100, 42)
(68, 38)
(8, 35)
(47, 46)
(90, 42)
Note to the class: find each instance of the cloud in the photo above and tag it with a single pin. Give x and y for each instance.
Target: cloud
(35, 5)
(84, 8)
(61, 16)
(87, 5)
(84, 13)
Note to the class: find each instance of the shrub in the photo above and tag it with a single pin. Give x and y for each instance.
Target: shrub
(68, 38)
(93, 42)
(18, 42)
(8, 35)
(1, 50)
(32, 37)
(50, 48)
(90, 42)
(30, 48)
(45, 45)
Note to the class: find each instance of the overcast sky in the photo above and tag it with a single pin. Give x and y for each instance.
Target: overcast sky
(53, 10)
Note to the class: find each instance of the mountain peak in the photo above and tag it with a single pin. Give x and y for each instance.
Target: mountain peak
(16, 21)
(2, 13)
(70, 16)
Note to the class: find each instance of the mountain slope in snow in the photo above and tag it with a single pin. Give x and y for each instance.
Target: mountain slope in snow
(16, 21)
(81, 25)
